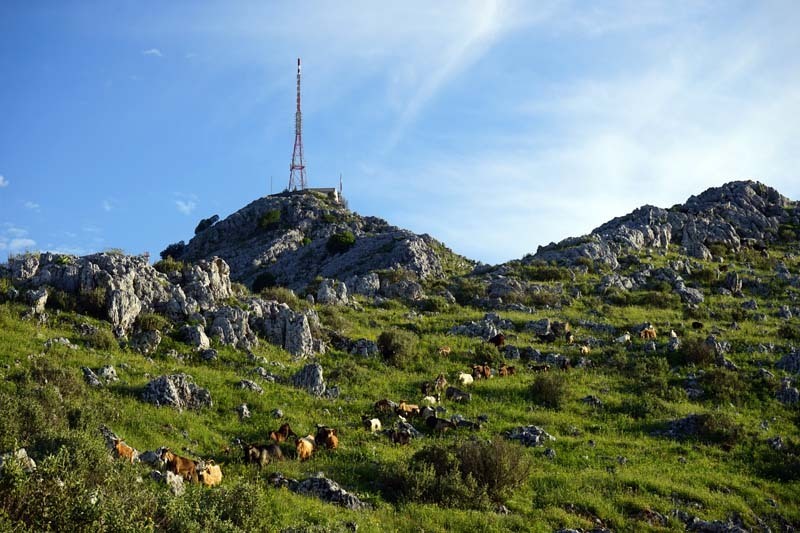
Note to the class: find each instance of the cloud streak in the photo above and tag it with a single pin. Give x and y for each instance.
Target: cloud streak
(154, 52)
(185, 206)
(3, 181)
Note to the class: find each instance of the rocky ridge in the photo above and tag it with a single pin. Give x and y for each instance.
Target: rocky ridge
(739, 213)
(284, 238)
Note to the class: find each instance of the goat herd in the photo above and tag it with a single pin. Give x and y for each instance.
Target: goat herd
(385, 411)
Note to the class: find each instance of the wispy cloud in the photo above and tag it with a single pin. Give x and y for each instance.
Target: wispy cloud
(3, 181)
(185, 206)
(107, 205)
(153, 52)
(32, 205)
(14, 239)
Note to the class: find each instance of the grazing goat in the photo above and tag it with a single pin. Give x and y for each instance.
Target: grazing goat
(428, 387)
(431, 400)
(401, 437)
(124, 451)
(457, 395)
(305, 447)
(623, 339)
(648, 333)
(384, 406)
(697, 325)
(407, 409)
(373, 425)
(539, 368)
(181, 466)
(465, 379)
(547, 337)
(327, 437)
(482, 371)
(262, 454)
(569, 337)
(210, 474)
(439, 425)
(505, 370)
(282, 434)
(440, 384)
(585, 350)
(498, 340)
(444, 350)
(672, 334)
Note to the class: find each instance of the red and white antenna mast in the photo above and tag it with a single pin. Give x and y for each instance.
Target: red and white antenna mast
(297, 172)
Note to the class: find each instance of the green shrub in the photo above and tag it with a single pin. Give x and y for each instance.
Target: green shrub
(102, 339)
(695, 351)
(433, 304)
(487, 353)
(789, 332)
(151, 322)
(544, 273)
(168, 265)
(719, 428)
(264, 281)
(93, 302)
(549, 389)
(466, 290)
(470, 475)
(282, 295)
(270, 220)
(723, 385)
(340, 242)
(398, 347)
(62, 300)
(206, 223)
(717, 249)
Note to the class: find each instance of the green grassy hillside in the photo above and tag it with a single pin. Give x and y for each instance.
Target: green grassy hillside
(609, 469)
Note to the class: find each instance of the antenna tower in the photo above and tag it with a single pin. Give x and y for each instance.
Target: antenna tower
(297, 172)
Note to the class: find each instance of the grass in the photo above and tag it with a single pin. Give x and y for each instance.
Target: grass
(49, 410)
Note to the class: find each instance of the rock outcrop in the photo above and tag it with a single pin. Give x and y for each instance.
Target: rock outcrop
(176, 390)
(735, 214)
(285, 238)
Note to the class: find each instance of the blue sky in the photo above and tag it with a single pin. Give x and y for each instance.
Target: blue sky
(493, 126)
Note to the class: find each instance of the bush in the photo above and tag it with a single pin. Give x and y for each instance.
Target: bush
(789, 332)
(270, 220)
(398, 347)
(264, 281)
(102, 339)
(434, 304)
(723, 385)
(340, 242)
(93, 302)
(465, 290)
(471, 475)
(487, 353)
(544, 273)
(719, 428)
(695, 351)
(282, 295)
(549, 389)
(151, 322)
(173, 250)
(62, 300)
(168, 265)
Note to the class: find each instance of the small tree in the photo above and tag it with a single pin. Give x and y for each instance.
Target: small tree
(398, 347)
(340, 242)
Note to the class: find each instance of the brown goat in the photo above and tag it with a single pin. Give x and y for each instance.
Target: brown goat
(305, 447)
(181, 466)
(327, 437)
(124, 451)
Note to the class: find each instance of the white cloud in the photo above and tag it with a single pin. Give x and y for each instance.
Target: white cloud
(153, 52)
(185, 206)
(107, 205)
(3, 181)
(19, 245)
(32, 205)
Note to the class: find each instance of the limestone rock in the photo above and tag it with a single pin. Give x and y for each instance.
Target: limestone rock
(366, 285)
(246, 384)
(196, 337)
(790, 362)
(37, 299)
(231, 326)
(146, 342)
(310, 378)
(90, 377)
(19, 456)
(329, 491)
(332, 292)
(529, 435)
(788, 394)
(243, 411)
(176, 390)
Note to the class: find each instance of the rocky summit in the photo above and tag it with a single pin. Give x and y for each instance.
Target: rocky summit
(739, 213)
(289, 239)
